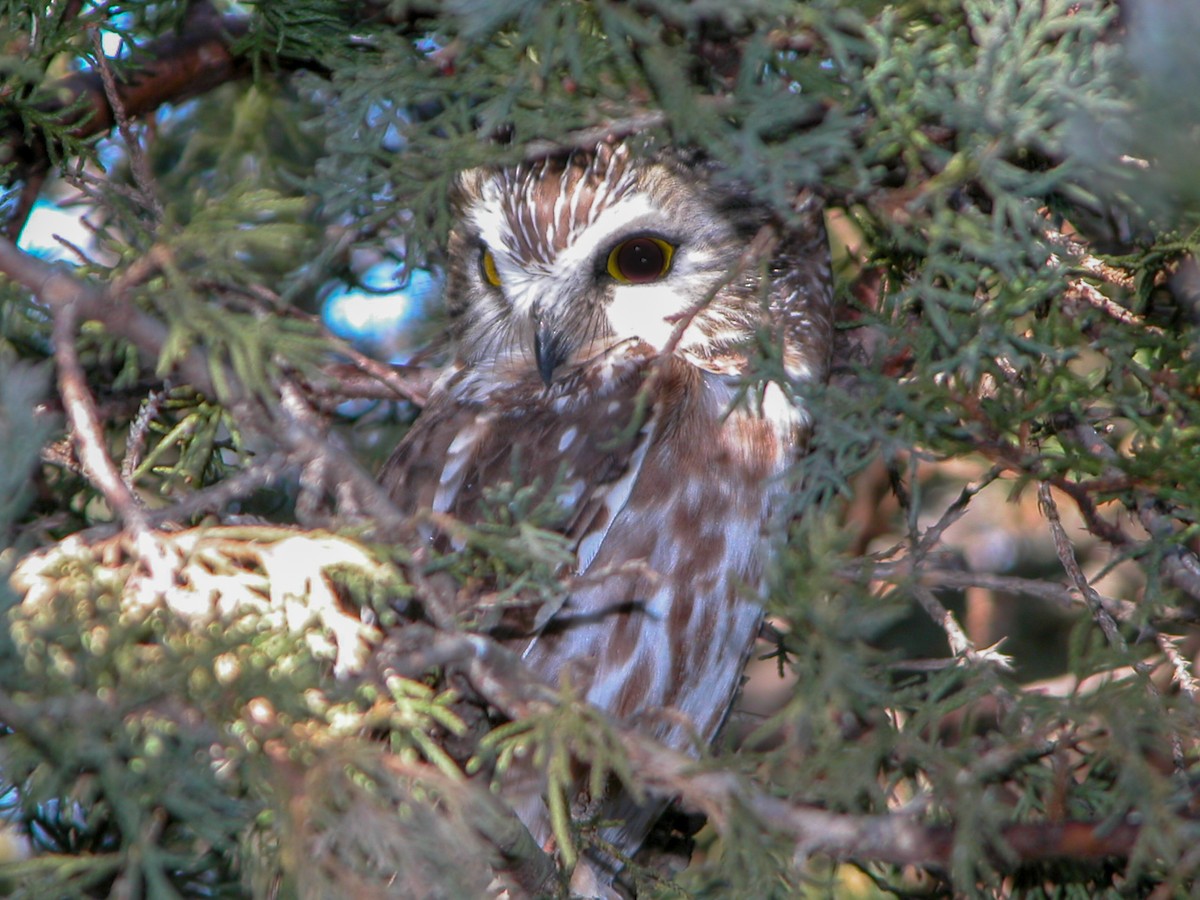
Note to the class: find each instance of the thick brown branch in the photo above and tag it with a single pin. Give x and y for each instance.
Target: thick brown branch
(894, 838)
(167, 70)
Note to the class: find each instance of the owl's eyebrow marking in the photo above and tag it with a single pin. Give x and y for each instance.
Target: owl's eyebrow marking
(661, 234)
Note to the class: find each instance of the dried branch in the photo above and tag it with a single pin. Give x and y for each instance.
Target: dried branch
(1079, 293)
(1112, 632)
(960, 645)
(215, 498)
(142, 175)
(1080, 254)
(1181, 567)
(369, 379)
(1181, 668)
(139, 432)
(896, 838)
(932, 535)
(958, 579)
(1066, 555)
(306, 436)
(72, 299)
(87, 433)
(86, 428)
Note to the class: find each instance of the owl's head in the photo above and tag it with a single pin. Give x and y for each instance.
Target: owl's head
(552, 263)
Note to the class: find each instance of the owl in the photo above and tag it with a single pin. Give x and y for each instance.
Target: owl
(607, 309)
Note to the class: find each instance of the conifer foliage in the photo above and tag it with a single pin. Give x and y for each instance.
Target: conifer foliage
(229, 668)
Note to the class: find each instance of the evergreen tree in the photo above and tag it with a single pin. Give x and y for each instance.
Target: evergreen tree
(225, 664)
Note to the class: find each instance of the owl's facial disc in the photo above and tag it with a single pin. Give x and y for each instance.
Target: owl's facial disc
(577, 255)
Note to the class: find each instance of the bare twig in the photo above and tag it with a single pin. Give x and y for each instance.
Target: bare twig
(307, 438)
(955, 511)
(960, 645)
(139, 431)
(87, 433)
(1066, 556)
(1079, 291)
(301, 431)
(86, 428)
(1079, 254)
(1181, 668)
(436, 593)
(369, 379)
(217, 497)
(142, 175)
(1181, 567)
(1112, 633)
(958, 579)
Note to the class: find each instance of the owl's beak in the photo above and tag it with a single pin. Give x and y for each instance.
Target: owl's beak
(550, 348)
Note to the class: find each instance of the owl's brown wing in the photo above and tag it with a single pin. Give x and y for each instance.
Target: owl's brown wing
(580, 442)
(663, 648)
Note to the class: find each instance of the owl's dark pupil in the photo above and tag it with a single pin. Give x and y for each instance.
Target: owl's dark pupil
(640, 260)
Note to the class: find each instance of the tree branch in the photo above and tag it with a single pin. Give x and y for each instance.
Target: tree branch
(1066, 556)
(56, 286)
(143, 177)
(500, 677)
(1181, 566)
(86, 428)
(72, 300)
(168, 70)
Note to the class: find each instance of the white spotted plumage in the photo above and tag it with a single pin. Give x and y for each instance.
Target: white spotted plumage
(586, 383)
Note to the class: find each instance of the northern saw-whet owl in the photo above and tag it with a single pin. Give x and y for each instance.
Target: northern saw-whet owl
(605, 310)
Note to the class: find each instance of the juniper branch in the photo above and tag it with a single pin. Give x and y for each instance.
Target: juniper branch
(56, 286)
(500, 677)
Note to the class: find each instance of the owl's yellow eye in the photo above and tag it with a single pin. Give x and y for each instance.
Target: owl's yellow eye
(640, 260)
(487, 266)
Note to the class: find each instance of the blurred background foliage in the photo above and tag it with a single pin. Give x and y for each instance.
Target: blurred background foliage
(985, 608)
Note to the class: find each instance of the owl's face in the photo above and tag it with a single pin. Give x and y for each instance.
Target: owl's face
(555, 262)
